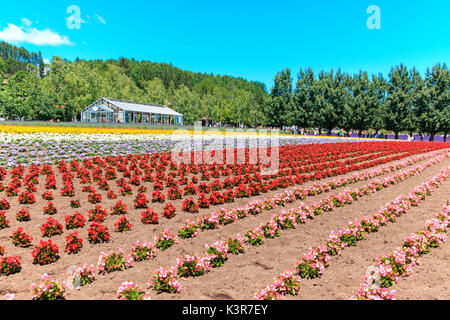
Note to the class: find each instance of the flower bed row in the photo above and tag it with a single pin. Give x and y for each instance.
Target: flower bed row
(99, 233)
(140, 202)
(256, 185)
(141, 169)
(401, 261)
(227, 216)
(165, 280)
(215, 255)
(315, 260)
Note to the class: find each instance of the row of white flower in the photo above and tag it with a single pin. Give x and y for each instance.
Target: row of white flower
(70, 137)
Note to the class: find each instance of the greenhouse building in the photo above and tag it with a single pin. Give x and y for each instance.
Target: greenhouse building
(106, 110)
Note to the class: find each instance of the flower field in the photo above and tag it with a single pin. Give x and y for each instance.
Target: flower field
(40, 145)
(94, 214)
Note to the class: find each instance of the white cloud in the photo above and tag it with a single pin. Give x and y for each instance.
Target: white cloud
(27, 23)
(46, 61)
(15, 34)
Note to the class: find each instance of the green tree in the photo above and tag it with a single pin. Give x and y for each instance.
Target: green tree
(323, 112)
(380, 85)
(22, 97)
(187, 103)
(155, 92)
(364, 102)
(302, 100)
(398, 108)
(41, 65)
(241, 106)
(113, 77)
(3, 69)
(2, 95)
(281, 99)
(433, 102)
(346, 118)
(339, 99)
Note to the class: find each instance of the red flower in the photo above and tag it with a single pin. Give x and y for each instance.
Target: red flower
(149, 217)
(73, 243)
(157, 196)
(97, 214)
(169, 211)
(119, 208)
(45, 252)
(51, 228)
(98, 233)
(49, 209)
(21, 239)
(4, 223)
(140, 202)
(77, 220)
(189, 205)
(122, 224)
(9, 265)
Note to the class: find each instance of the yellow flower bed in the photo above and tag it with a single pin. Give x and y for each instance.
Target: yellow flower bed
(80, 130)
(15, 129)
(88, 130)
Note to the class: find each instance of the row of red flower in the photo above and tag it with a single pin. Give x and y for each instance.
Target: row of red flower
(189, 205)
(143, 172)
(165, 280)
(215, 255)
(98, 233)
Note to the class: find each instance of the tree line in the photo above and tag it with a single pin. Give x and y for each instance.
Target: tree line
(403, 102)
(30, 90)
(13, 59)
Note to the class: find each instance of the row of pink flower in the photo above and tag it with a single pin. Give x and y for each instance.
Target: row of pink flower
(50, 289)
(166, 280)
(113, 261)
(281, 220)
(284, 284)
(373, 172)
(290, 218)
(214, 256)
(130, 291)
(401, 261)
(167, 239)
(227, 216)
(314, 260)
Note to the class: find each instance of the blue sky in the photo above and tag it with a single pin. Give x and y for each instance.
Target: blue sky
(249, 39)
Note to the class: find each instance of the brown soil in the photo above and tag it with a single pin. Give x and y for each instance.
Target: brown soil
(430, 280)
(342, 278)
(242, 275)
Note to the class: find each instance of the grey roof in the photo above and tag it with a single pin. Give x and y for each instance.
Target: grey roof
(142, 107)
